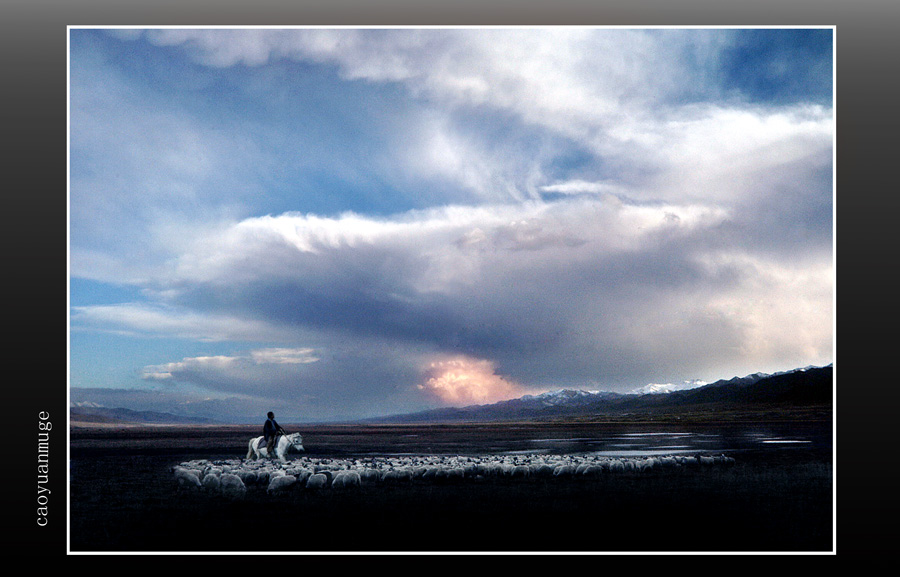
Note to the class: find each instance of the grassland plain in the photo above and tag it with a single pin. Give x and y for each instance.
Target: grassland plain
(777, 497)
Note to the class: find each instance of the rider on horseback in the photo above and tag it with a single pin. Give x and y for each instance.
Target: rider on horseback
(270, 431)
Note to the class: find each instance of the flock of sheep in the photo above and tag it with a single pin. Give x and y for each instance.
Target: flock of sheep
(234, 477)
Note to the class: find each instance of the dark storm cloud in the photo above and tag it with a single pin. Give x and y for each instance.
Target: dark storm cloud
(553, 292)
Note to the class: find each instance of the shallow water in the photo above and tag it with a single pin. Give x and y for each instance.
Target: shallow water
(539, 438)
(652, 443)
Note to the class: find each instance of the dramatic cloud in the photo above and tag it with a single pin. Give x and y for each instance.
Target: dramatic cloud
(358, 222)
(462, 381)
(563, 285)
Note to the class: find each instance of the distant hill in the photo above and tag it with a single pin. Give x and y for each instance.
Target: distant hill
(97, 414)
(810, 386)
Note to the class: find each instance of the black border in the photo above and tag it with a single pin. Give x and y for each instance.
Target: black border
(33, 35)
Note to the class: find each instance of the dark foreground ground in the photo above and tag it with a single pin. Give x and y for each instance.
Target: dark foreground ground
(124, 498)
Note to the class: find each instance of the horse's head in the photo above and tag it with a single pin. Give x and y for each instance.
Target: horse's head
(296, 441)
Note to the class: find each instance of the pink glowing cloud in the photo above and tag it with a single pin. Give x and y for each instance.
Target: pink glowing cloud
(464, 380)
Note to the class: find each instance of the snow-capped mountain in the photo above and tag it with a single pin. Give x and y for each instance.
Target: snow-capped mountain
(87, 404)
(560, 396)
(809, 385)
(567, 396)
(654, 388)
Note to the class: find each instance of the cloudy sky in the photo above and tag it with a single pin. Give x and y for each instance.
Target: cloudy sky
(339, 223)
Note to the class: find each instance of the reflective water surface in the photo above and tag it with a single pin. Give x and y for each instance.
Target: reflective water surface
(677, 441)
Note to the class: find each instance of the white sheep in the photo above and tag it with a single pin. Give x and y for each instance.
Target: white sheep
(400, 475)
(690, 461)
(211, 482)
(327, 473)
(487, 469)
(234, 476)
(369, 476)
(302, 475)
(248, 477)
(647, 465)
(346, 480)
(281, 482)
(453, 474)
(520, 471)
(668, 462)
(232, 484)
(187, 477)
(317, 481)
(193, 468)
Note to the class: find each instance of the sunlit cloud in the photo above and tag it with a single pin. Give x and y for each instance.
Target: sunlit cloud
(462, 381)
(284, 356)
(170, 370)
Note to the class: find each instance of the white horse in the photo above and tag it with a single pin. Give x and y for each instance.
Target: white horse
(257, 448)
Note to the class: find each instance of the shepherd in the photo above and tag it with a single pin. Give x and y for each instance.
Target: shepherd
(271, 429)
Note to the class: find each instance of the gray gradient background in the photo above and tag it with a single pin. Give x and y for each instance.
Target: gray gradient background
(33, 50)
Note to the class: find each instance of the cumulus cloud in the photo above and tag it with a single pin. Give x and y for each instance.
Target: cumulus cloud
(461, 380)
(554, 291)
(284, 356)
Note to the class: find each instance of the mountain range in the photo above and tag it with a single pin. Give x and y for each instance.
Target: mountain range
(93, 413)
(809, 386)
(805, 387)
